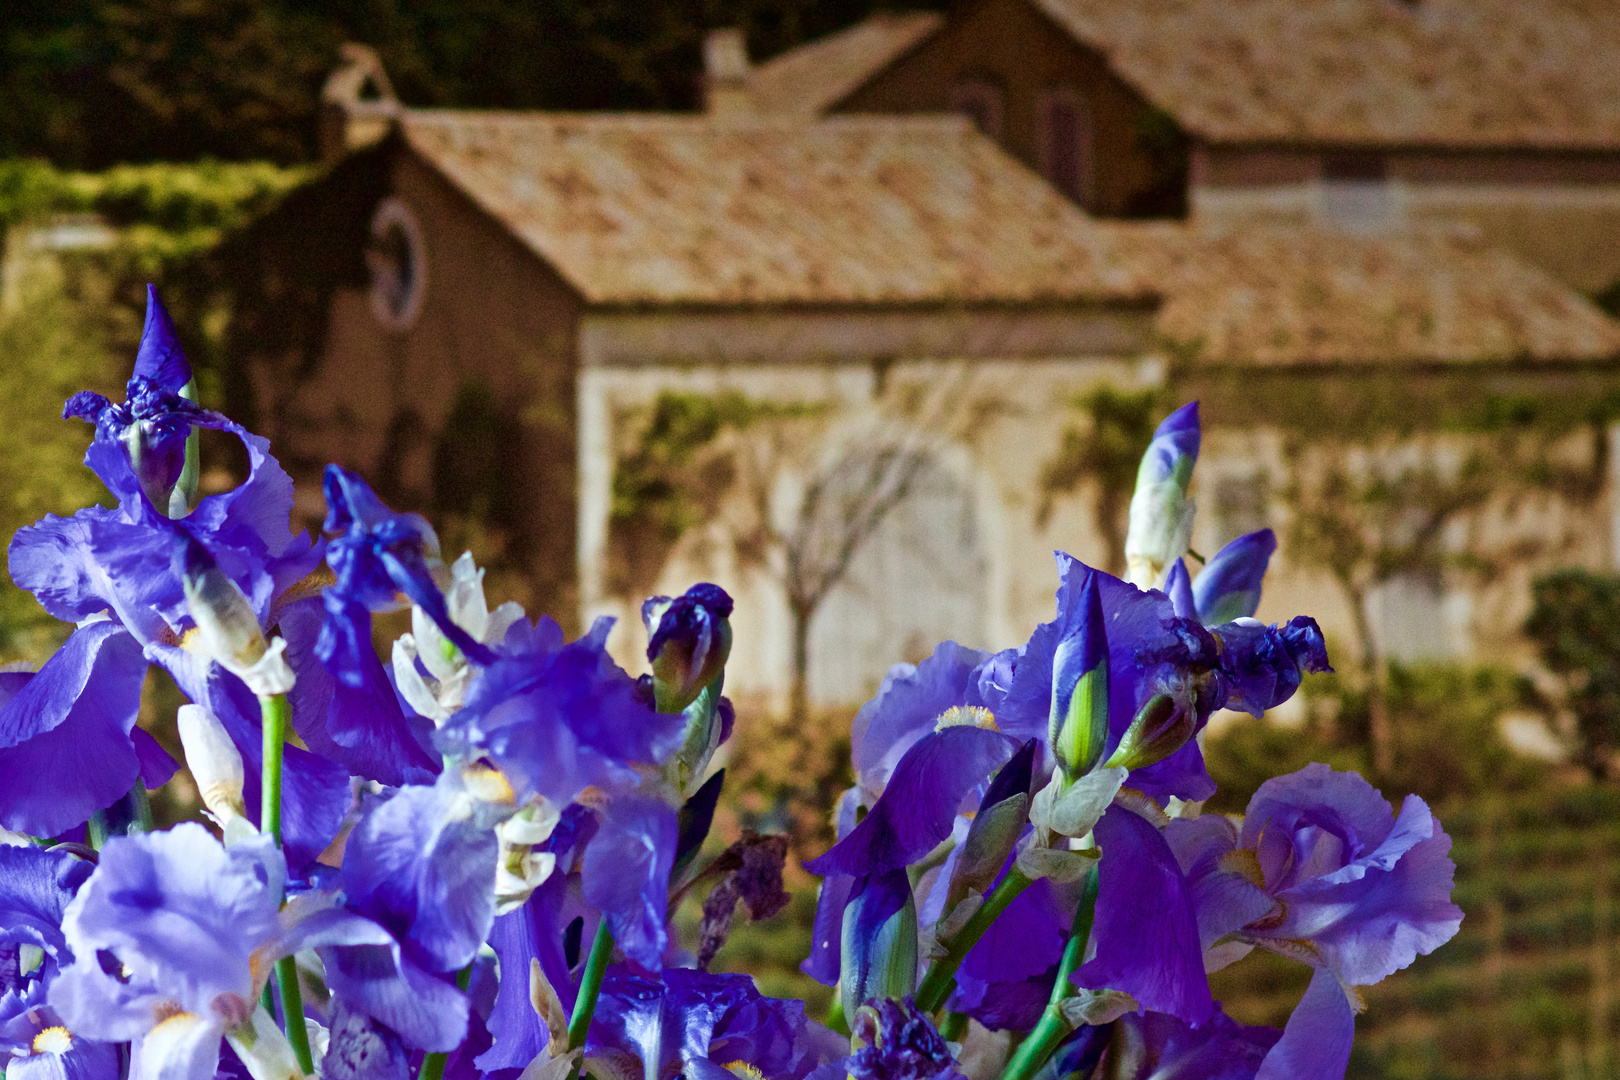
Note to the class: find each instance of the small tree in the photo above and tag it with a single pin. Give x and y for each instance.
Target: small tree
(864, 471)
(1370, 512)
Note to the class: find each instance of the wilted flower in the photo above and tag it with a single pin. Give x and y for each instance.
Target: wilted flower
(894, 1041)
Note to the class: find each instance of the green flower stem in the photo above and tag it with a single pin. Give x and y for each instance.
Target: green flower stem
(940, 980)
(590, 985)
(275, 711)
(433, 1064)
(954, 1026)
(433, 1067)
(292, 1008)
(1052, 1028)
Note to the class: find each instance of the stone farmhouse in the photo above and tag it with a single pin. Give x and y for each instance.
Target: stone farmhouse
(912, 257)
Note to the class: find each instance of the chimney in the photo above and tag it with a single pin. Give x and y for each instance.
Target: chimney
(725, 74)
(358, 106)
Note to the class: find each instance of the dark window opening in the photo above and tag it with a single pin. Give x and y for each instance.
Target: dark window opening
(983, 103)
(1065, 125)
(1366, 168)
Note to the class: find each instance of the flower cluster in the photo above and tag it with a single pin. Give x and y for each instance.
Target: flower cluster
(467, 863)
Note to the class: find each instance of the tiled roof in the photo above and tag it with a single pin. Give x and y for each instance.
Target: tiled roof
(809, 79)
(641, 209)
(1461, 73)
(1275, 295)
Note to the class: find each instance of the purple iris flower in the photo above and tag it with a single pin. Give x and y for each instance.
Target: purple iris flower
(626, 874)
(35, 888)
(168, 937)
(140, 446)
(696, 1024)
(71, 731)
(907, 706)
(376, 555)
(422, 864)
(690, 641)
(420, 867)
(916, 780)
(557, 718)
(1150, 652)
(1324, 871)
(1229, 587)
(920, 803)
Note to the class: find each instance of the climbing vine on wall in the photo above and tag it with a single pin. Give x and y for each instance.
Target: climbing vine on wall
(1104, 448)
(673, 470)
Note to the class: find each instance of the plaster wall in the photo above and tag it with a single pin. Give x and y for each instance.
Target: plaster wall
(966, 557)
(1474, 609)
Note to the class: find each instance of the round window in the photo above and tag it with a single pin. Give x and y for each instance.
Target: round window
(398, 265)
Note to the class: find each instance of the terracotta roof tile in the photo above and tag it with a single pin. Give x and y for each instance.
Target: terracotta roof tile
(808, 80)
(638, 209)
(1273, 295)
(1431, 72)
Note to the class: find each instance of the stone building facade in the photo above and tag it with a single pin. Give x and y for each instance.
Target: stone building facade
(656, 336)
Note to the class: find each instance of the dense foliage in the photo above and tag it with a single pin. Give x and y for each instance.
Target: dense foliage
(89, 83)
(1573, 623)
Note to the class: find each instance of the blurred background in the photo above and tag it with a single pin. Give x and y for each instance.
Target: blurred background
(860, 310)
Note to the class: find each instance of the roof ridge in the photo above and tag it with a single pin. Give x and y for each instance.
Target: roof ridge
(950, 122)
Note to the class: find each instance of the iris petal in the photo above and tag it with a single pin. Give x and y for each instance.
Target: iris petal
(1146, 930)
(920, 803)
(65, 744)
(626, 874)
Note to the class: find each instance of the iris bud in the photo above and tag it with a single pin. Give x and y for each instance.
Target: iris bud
(1229, 587)
(227, 628)
(1161, 515)
(879, 941)
(689, 641)
(214, 761)
(995, 829)
(1077, 726)
(1161, 727)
